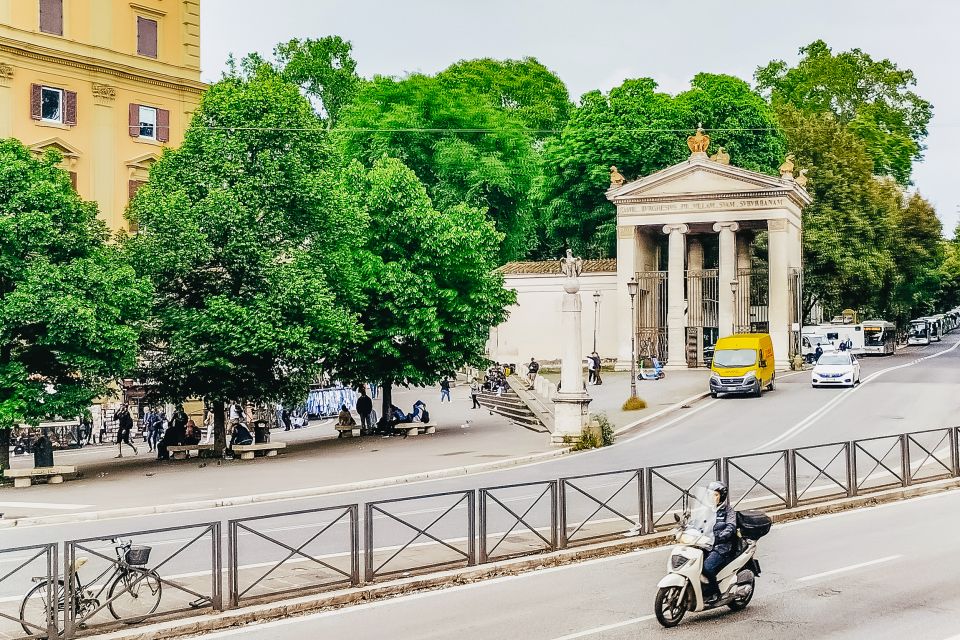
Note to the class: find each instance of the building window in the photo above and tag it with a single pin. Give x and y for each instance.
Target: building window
(146, 37)
(51, 105)
(51, 17)
(148, 122)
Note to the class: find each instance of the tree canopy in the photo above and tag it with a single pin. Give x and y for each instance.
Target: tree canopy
(641, 130)
(70, 305)
(872, 98)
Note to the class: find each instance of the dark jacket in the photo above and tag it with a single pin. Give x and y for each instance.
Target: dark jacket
(725, 530)
(364, 405)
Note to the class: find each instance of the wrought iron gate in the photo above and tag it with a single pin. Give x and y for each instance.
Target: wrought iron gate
(703, 311)
(651, 311)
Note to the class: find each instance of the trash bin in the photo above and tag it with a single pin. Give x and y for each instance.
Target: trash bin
(261, 433)
(42, 452)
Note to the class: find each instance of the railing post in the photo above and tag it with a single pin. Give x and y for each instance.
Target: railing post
(354, 545)
(954, 453)
(905, 458)
(852, 468)
(724, 473)
(790, 474)
(52, 582)
(553, 515)
(368, 542)
(483, 526)
(472, 528)
(69, 584)
(217, 568)
(641, 501)
(562, 504)
(648, 501)
(233, 579)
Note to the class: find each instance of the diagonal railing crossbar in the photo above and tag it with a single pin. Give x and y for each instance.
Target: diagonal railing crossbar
(298, 551)
(421, 532)
(822, 471)
(684, 491)
(603, 504)
(48, 552)
(930, 454)
(140, 575)
(879, 462)
(758, 481)
(518, 519)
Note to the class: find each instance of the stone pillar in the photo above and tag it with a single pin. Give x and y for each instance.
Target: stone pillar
(676, 329)
(102, 160)
(628, 263)
(742, 312)
(779, 297)
(727, 274)
(571, 403)
(695, 311)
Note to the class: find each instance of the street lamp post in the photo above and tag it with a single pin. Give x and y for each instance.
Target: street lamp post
(734, 285)
(633, 286)
(596, 316)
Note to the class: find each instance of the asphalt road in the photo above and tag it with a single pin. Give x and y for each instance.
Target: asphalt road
(886, 572)
(915, 389)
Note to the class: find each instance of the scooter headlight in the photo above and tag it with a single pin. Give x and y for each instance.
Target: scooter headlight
(677, 561)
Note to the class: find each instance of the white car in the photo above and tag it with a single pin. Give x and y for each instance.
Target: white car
(836, 369)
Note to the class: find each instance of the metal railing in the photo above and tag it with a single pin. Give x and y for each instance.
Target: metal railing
(467, 555)
(32, 617)
(319, 549)
(301, 569)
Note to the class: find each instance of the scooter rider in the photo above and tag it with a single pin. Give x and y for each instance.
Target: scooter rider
(724, 539)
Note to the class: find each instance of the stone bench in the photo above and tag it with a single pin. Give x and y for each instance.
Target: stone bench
(182, 451)
(24, 477)
(248, 451)
(348, 431)
(415, 428)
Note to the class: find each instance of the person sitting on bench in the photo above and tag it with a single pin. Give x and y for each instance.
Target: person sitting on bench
(345, 419)
(172, 437)
(241, 435)
(191, 433)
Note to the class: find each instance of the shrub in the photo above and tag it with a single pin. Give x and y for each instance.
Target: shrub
(634, 403)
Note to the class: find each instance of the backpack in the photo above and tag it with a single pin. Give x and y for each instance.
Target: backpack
(425, 416)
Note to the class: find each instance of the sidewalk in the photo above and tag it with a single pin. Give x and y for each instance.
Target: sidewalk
(315, 458)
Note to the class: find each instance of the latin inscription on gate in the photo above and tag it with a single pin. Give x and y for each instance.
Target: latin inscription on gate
(695, 206)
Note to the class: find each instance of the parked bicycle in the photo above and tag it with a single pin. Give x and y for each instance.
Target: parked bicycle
(132, 592)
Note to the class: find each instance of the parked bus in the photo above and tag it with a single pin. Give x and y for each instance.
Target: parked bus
(936, 327)
(919, 332)
(828, 337)
(879, 337)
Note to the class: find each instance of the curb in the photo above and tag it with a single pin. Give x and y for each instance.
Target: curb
(311, 492)
(405, 586)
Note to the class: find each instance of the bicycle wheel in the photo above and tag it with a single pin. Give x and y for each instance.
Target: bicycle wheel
(135, 595)
(35, 609)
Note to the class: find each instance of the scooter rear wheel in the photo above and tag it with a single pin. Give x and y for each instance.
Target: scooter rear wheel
(668, 607)
(739, 604)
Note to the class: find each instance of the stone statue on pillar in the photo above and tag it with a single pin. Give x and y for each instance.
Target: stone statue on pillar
(571, 403)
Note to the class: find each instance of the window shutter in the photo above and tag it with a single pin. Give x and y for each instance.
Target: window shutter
(51, 16)
(70, 108)
(146, 37)
(73, 179)
(133, 186)
(36, 110)
(163, 125)
(134, 120)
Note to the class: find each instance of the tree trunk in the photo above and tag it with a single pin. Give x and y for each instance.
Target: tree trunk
(386, 389)
(4, 448)
(219, 427)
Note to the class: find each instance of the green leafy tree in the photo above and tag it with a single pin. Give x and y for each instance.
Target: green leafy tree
(430, 287)
(69, 303)
(324, 68)
(848, 226)
(250, 240)
(872, 98)
(470, 133)
(918, 250)
(641, 130)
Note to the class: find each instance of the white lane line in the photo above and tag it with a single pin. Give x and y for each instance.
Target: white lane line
(852, 567)
(608, 627)
(811, 419)
(684, 416)
(53, 506)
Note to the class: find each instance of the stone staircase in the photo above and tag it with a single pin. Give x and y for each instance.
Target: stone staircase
(519, 406)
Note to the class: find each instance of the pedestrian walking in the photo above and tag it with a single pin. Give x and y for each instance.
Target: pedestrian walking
(532, 370)
(364, 409)
(595, 358)
(475, 392)
(154, 429)
(124, 426)
(445, 390)
(591, 370)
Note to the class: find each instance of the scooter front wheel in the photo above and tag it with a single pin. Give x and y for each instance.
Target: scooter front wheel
(669, 607)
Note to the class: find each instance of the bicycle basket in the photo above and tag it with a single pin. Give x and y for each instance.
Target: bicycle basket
(138, 556)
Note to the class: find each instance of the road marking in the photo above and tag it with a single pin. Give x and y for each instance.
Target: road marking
(811, 419)
(608, 627)
(53, 506)
(684, 416)
(852, 567)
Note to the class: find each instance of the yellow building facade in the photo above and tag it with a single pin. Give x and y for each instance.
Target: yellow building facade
(108, 83)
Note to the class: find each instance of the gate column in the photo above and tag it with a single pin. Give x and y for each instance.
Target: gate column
(676, 326)
(779, 293)
(728, 274)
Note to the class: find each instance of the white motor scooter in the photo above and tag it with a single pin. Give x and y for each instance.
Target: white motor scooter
(681, 590)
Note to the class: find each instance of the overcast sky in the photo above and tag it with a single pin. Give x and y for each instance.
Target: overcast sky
(592, 44)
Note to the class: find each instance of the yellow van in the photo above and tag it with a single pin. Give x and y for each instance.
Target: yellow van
(742, 363)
